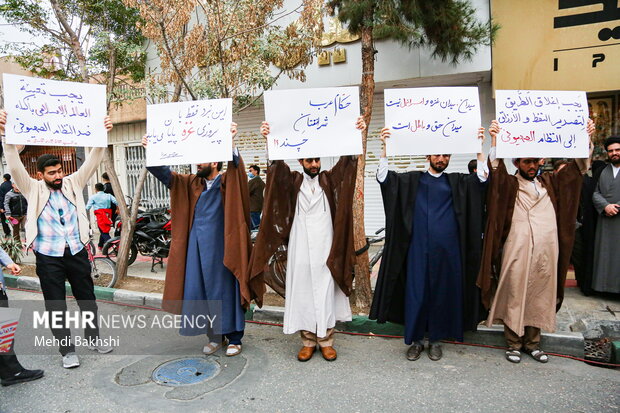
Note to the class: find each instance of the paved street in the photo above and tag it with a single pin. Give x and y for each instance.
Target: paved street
(370, 374)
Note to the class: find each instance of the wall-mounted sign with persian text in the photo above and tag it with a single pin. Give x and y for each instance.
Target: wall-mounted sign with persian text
(308, 123)
(432, 120)
(542, 124)
(189, 132)
(54, 113)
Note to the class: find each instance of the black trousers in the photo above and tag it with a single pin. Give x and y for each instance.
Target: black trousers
(9, 365)
(53, 271)
(5, 227)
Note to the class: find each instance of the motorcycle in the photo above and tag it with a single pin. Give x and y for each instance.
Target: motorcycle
(151, 238)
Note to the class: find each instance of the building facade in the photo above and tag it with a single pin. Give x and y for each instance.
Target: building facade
(566, 46)
(338, 64)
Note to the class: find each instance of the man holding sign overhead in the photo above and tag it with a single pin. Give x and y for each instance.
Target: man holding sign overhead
(210, 249)
(432, 251)
(58, 230)
(528, 243)
(311, 213)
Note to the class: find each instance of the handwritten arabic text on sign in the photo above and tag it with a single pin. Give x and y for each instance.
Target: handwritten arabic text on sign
(49, 112)
(541, 124)
(308, 123)
(433, 120)
(189, 132)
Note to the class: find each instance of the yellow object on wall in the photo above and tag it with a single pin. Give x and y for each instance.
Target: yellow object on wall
(557, 45)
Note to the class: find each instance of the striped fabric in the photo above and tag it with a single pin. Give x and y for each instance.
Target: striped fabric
(57, 227)
(7, 334)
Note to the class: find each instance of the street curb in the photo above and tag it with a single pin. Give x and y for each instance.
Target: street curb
(563, 343)
(116, 295)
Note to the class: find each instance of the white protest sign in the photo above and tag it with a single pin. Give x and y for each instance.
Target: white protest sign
(541, 124)
(54, 113)
(189, 132)
(309, 123)
(432, 120)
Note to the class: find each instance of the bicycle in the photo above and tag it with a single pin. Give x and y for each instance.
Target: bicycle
(103, 269)
(377, 255)
(275, 271)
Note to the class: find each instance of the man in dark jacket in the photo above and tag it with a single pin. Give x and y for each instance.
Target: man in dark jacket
(107, 186)
(5, 187)
(11, 371)
(256, 186)
(15, 207)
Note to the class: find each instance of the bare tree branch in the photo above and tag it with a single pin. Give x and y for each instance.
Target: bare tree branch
(173, 62)
(74, 41)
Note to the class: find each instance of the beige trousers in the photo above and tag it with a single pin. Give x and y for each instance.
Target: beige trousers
(309, 339)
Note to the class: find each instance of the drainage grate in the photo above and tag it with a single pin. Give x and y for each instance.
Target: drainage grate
(598, 349)
(186, 371)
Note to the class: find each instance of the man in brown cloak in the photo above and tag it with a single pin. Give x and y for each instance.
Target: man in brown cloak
(527, 246)
(311, 213)
(210, 249)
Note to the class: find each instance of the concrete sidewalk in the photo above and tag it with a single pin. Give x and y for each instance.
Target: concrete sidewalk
(578, 315)
(140, 268)
(371, 374)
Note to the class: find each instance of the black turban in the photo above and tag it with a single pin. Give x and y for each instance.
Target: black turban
(611, 140)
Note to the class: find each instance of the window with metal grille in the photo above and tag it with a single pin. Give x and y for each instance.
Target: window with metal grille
(66, 155)
(154, 193)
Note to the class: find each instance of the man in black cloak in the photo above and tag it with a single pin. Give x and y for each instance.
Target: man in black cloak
(583, 250)
(427, 278)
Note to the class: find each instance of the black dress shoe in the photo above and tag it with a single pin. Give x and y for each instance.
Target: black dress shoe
(413, 353)
(434, 352)
(23, 376)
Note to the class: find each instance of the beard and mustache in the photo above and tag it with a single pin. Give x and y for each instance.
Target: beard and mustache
(439, 166)
(55, 184)
(204, 172)
(312, 172)
(526, 174)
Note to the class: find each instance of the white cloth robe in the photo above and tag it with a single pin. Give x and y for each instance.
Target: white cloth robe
(314, 302)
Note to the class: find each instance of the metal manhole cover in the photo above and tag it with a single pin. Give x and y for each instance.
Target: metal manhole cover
(182, 372)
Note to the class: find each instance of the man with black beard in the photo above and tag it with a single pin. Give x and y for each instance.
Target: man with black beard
(210, 249)
(606, 199)
(432, 249)
(311, 214)
(527, 246)
(58, 231)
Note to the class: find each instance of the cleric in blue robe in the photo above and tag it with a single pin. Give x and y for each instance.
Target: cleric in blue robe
(207, 266)
(427, 278)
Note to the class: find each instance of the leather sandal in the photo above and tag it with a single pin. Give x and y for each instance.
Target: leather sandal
(513, 356)
(538, 355)
(233, 350)
(211, 348)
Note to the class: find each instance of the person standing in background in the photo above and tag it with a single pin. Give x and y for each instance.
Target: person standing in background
(256, 186)
(5, 187)
(15, 209)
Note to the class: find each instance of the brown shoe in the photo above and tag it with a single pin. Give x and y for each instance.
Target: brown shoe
(329, 353)
(305, 353)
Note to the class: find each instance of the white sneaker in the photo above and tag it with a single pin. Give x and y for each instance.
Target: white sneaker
(70, 361)
(101, 349)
